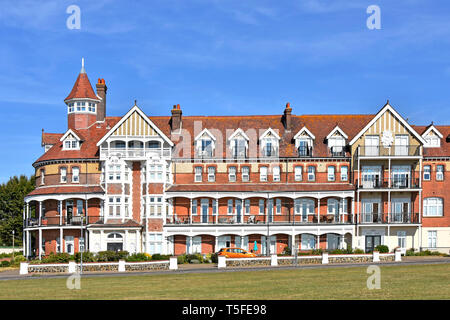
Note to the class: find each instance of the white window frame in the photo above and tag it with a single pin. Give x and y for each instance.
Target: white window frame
(433, 202)
(311, 173)
(198, 174)
(344, 173)
(155, 172)
(262, 205)
(245, 174)
(75, 177)
(432, 239)
(156, 205)
(440, 172)
(263, 174)
(401, 239)
(155, 240)
(247, 206)
(230, 206)
(194, 207)
(276, 173)
(114, 206)
(331, 173)
(232, 173)
(427, 173)
(211, 174)
(278, 206)
(298, 173)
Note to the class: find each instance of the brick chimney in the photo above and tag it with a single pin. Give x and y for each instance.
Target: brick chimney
(287, 117)
(175, 121)
(101, 92)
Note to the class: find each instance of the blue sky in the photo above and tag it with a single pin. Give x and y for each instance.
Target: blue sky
(219, 57)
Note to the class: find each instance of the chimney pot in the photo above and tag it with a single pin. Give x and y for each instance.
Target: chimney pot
(101, 92)
(287, 117)
(176, 118)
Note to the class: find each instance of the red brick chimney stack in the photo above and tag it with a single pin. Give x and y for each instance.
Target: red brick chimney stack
(176, 118)
(101, 92)
(287, 116)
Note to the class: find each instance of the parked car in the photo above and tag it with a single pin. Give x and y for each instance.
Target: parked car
(236, 253)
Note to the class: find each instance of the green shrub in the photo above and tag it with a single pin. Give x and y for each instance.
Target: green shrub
(358, 251)
(105, 256)
(87, 257)
(337, 251)
(181, 259)
(316, 252)
(214, 258)
(57, 258)
(286, 251)
(195, 256)
(382, 248)
(17, 260)
(137, 257)
(5, 263)
(158, 256)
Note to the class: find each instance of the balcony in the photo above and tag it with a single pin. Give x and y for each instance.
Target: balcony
(336, 152)
(394, 151)
(397, 217)
(207, 153)
(383, 183)
(135, 153)
(275, 219)
(269, 152)
(239, 152)
(304, 151)
(56, 221)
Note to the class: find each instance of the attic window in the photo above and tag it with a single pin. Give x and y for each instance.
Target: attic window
(432, 141)
(71, 144)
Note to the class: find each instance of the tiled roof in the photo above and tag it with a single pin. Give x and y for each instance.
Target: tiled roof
(444, 150)
(261, 187)
(82, 88)
(88, 148)
(50, 138)
(116, 223)
(66, 190)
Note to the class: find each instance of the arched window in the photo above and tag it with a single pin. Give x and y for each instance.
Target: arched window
(153, 144)
(433, 207)
(115, 236)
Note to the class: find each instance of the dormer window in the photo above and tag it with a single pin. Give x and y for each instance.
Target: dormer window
(205, 143)
(432, 137)
(304, 141)
(70, 141)
(238, 144)
(336, 142)
(81, 106)
(269, 143)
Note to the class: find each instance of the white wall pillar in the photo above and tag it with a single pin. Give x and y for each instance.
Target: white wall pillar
(318, 210)
(40, 213)
(40, 244)
(61, 244)
(173, 263)
(221, 262)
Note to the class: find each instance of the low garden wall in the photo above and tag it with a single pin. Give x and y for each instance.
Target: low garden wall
(306, 260)
(72, 267)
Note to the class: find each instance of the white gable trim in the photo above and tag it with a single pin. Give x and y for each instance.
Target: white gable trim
(70, 131)
(203, 132)
(239, 131)
(304, 129)
(337, 129)
(271, 131)
(435, 131)
(125, 117)
(387, 107)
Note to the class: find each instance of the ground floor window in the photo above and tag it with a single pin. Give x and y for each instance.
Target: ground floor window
(69, 245)
(197, 244)
(333, 241)
(432, 239)
(115, 242)
(308, 242)
(223, 242)
(401, 236)
(372, 242)
(155, 243)
(241, 242)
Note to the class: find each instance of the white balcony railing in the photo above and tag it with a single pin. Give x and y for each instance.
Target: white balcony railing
(135, 152)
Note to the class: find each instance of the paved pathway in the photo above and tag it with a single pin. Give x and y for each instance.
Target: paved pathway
(211, 268)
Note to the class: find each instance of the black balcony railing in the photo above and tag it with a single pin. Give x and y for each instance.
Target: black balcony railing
(305, 151)
(394, 150)
(76, 220)
(239, 152)
(396, 217)
(337, 152)
(383, 183)
(269, 151)
(252, 219)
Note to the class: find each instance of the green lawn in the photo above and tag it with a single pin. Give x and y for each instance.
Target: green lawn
(397, 282)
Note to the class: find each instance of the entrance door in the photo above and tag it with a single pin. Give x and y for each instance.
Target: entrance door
(372, 242)
(114, 247)
(270, 210)
(238, 211)
(69, 245)
(69, 211)
(205, 209)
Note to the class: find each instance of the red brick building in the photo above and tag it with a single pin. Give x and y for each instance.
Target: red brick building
(176, 184)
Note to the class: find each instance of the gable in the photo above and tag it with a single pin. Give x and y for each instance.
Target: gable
(135, 123)
(389, 121)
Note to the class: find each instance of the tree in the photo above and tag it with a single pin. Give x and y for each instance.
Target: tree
(12, 194)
